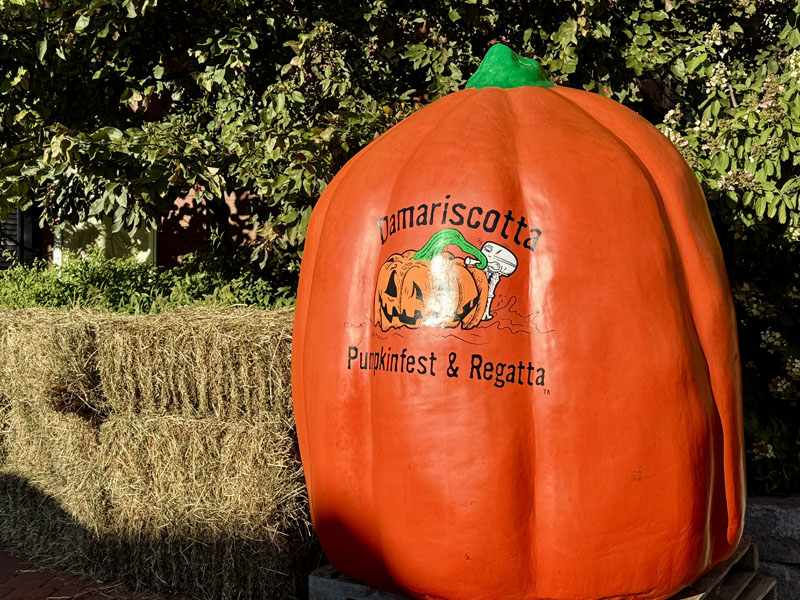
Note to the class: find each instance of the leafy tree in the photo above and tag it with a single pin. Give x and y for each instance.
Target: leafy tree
(115, 107)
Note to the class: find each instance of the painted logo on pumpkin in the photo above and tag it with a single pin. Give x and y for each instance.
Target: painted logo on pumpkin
(434, 288)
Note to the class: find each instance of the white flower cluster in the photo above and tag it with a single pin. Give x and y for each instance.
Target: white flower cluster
(793, 368)
(743, 291)
(700, 126)
(675, 137)
(733, 180)
(793, 64)
(752, 299)
(770, 340)
(762, 450)
(779, 386)
(718, 79)
(673, 117)
(759, 308)
(714, 37)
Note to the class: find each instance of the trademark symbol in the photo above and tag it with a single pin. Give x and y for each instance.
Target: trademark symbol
(546, 392)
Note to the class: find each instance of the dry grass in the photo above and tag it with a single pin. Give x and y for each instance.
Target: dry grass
(225, 362)
(212, 507)
(50, 359)
(51, 490)
(157, 450)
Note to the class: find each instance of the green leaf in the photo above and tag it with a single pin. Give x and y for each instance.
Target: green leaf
(41, 49)
(760, 205)
(696, 61)
(721, 162)
(158, 71)
(96, 208)
(82, 23)
(109, 133)
(602, 30)
(678, 68)
(793, 39)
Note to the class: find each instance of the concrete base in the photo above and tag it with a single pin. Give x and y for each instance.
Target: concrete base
(774, 524)
(786, 576)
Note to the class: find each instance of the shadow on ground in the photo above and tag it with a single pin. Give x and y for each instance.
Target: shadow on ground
(35, 526)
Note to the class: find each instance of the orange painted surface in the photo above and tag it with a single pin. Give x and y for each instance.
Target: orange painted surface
(583, 439)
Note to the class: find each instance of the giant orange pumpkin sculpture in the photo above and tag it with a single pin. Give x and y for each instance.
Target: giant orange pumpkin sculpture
(558, 412)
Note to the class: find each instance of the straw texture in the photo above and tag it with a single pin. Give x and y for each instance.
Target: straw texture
(157, 450)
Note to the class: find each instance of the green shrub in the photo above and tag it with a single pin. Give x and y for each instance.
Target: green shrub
(115, 108)
(89, 280)
(766, 291)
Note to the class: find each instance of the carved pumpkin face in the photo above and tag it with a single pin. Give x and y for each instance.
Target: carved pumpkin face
(443, 292)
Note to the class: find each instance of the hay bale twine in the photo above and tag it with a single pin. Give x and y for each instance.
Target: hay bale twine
(212, 508)
(226, 362)
(49, 359)
(51, 492)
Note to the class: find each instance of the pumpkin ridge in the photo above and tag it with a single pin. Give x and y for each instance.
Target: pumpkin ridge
(519, 203)
(374, 502)
(413, 157)
(675, 253)
(682, 285)
(732, 475)
(303, 305)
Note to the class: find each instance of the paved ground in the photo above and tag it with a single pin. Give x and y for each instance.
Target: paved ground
(20, 580)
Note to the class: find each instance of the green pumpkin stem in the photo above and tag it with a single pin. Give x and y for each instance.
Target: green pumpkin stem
(446, 237)
(504, 68)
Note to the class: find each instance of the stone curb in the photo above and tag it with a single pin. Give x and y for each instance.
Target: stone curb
(774, 524)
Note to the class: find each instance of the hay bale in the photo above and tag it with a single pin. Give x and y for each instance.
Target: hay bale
(5, 409)
(51, 493)
(212, 508)
(225, 362)
(5, 323)
(158, 450)
(49, 359)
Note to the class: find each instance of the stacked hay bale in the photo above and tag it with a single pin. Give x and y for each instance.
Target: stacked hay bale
(51, 493)
(51, 359)
(158, 450)
(204, 482)
(51, 490)
(229, 363)
(4, 400)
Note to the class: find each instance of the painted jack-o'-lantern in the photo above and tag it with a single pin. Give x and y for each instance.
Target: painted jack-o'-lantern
(432, 287)
(578, 434)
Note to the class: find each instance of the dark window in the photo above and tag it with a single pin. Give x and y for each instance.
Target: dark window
(21, 236)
